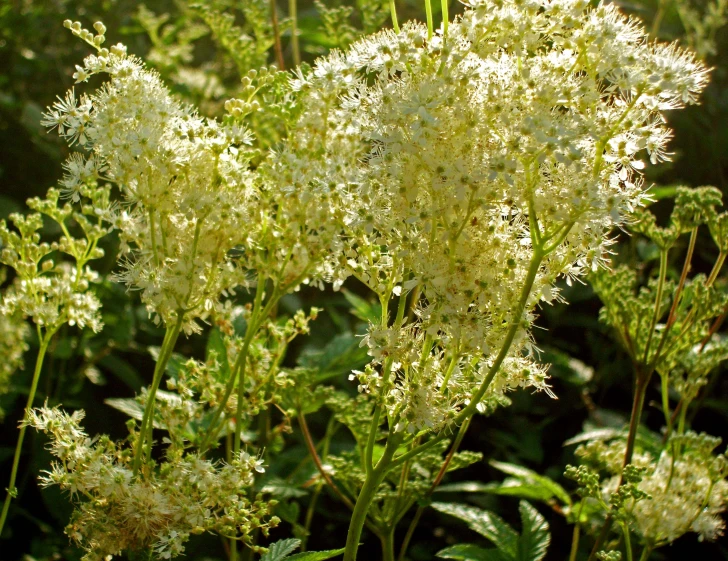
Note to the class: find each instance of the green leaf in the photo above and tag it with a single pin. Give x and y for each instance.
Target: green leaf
(130, 406)
(597, 434)
(533, 482)
(510, 487)
(487, 524)
(315, 555)
(281, 489)
(216, 344)
(280, 550)
(175, 363)
(127, 405)
(341, 355)
(658, 193)
(371, 312)
(470, 552)
(121, 369)
(535, 537)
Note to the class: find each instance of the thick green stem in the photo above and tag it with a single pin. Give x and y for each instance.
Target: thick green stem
(627, 542)
(388, 545)
(145, 431)
(664, 390)
(11, 490)
(366, 496)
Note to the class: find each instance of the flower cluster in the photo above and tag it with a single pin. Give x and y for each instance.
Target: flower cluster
(485, 162)
(116, 512)
(13, 334)
(685, 480)
(52, 293)
(185, 179)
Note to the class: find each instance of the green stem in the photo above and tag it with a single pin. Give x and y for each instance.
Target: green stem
(634, 421)
(655, 30)
(293, 14)
(602, 143)
(672, 316)
(256, 318)
(145, 431)
(627, 542)
(576, 534)
(646, 553)
(11, 490)
(716, 268)
(438, 479)
(658, 303)
(366, 496)
(388, 545)
(428, 10)
(386, 370)
(393, 10)
(664, 389)
(410, 532)
(445, 16)
(233, 549)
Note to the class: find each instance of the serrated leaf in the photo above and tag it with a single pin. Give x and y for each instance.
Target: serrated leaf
(533, 482)
(487, 524)
(470, 552)
(535, 536)
(288, 511)
(511, 487)
(281, 549)
(315, 555)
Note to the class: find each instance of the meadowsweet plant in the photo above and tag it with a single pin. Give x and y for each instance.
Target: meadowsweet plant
(457, 173)
(186, 191)
(489, 159)
(669, 328)
(52, 286)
